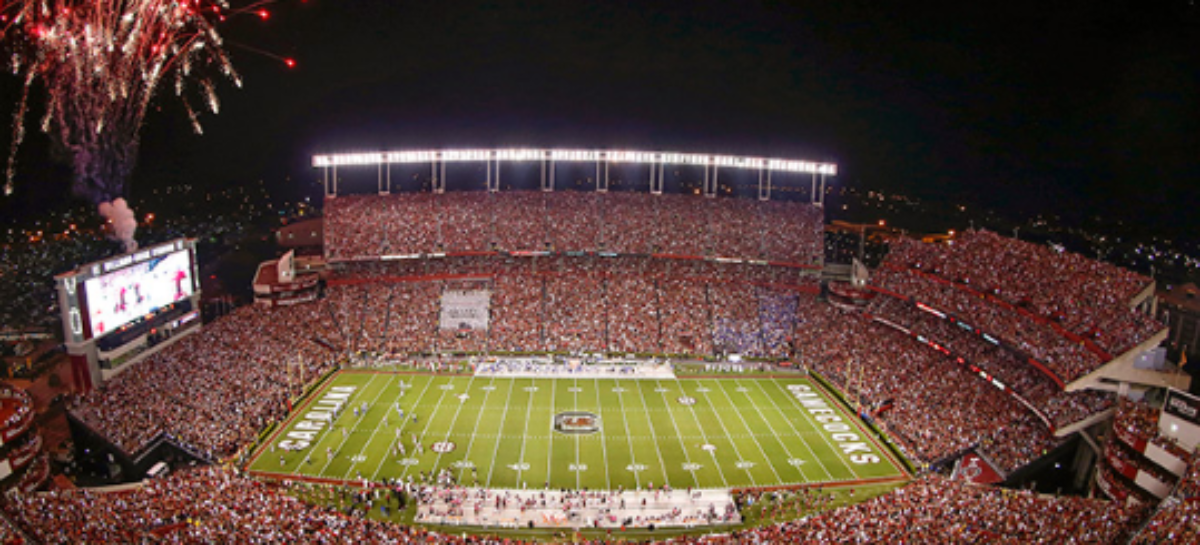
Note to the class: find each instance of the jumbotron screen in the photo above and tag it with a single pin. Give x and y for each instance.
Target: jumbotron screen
(122, 296)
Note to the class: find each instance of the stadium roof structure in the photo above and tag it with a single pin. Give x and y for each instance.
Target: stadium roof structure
(656, 160)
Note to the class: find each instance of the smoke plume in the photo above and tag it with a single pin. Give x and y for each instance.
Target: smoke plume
(122, 220)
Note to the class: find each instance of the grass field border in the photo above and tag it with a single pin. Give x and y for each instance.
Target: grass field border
(888, 446)
(895, 459)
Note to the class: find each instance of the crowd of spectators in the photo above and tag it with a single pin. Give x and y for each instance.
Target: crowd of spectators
(1175, 519)
(1039, 299)
(214, 390)
(16, 409)
(1133, 461)
(10, 534)
(209, 505)
(1119, 488)
(213, 505)
(1067, 359)
(1138, 421)
(575, 304)
(1060, 407)
(937, 510)
(618, 222)
(932, 420)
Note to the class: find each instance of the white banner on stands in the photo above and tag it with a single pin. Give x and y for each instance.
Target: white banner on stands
(465, 310)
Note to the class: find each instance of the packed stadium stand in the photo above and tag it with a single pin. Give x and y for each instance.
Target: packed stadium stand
(976, 346)
(216, 505)
(24, 466)
(568, 221)
(1072, 314)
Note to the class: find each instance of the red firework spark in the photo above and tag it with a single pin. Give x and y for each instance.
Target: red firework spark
(101, 61)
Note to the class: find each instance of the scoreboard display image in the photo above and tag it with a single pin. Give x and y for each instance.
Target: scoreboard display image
(122, 296)
(103, 297)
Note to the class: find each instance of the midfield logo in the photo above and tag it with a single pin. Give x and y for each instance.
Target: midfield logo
(576, 422)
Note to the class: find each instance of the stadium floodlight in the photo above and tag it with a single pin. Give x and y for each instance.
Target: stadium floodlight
(575, 155)
(572, 155)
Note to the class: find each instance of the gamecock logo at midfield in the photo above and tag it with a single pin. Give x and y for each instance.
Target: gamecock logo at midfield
(576, 422)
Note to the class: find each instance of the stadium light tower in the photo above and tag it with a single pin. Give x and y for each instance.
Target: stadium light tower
(548, 159)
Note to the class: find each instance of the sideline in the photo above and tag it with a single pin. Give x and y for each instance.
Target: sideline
(296, 411)
(872, 434)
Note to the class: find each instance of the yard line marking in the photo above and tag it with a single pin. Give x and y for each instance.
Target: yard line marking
(774, 432)
(454, 421)
(428, 421)
(575, 407)
(347, 410)
(832, 404)
(550, 442)
(500, 430)
(308, 457)
(391, 441)
(704, 437)
(653, 436)
(603, 443)
(521, 460)
(353, 460)
(796, 432)
(471, 441)
(736, 451)
(632, 456)
(679, 436)
(746, 426)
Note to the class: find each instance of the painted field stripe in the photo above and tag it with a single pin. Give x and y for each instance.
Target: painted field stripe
(348, 410)
(637, 475)
(378, 425)
(500, 430)
(603, 443)
(774, 432)
(653, 435)
(575, 407)
(736, 450)
(528, 411)
(817, 426)
(704, 437)
(678, 436)
(787, 413)
(550, 440)
(454, 421)
(746, 426)
(475, 433)
(428, 419)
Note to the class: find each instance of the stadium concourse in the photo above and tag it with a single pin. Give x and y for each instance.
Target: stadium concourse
(653, 274)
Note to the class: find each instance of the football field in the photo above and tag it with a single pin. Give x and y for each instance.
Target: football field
(572, 433)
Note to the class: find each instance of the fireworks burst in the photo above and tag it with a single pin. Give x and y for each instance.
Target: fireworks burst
(100, 63)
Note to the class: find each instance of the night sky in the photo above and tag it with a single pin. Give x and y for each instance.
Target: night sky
(1083, 108)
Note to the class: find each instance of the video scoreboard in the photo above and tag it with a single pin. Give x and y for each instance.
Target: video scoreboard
(115, 308)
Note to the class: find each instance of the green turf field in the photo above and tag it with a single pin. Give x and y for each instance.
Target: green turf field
(500, 433)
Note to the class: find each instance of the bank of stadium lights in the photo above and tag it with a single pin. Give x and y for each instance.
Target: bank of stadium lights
(572, 155)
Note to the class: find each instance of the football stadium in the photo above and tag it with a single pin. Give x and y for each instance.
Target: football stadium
(600, 360)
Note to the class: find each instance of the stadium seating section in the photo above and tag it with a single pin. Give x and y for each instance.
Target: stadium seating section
(214, 391)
